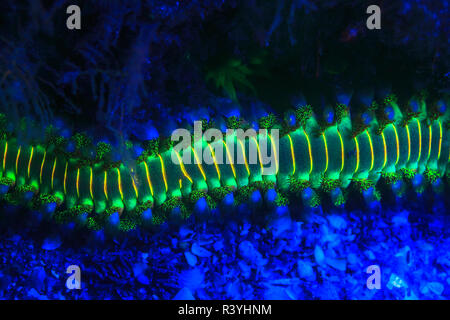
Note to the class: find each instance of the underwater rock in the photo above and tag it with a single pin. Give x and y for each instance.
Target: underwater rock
(34, 294)
(319, 255)
(276, 293)
(248, 252)
(400, 219)
(184, 294)
(139, 268)
(199, 251)
(143, 279)
(396, 281)
(218, 245)
(38, 278)
(326, 291)
(245, 229)
(305, 270)
(338, 264)
(192, 279)
(369, 254)
(435, 287)
(337, 222)
(280, 226)
(246, 271)
(279, 247)
(190, 258)
(233, 290)
(52, 243)
(353, 259)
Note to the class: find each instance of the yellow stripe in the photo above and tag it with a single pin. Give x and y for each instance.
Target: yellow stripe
(357, 155)
(29, 161)
(42, 167)
(53, 171)
(119, 183)
(91, 183)
(148, 178)
(134, 185)
(326, 152)
(245, 158)
(163, 170)
(4, 155)
(384, 150)
(420, 140)
(78, 182)
(409, 143)
(397, 144)
(183, 169)
(259, 155)
(342, 151)
(275, 153)
(181, 184)
(440, 140)
(430, 137)
(371, 150)
(65, 178)
(229, 159)
(17, 158)
(105, 185)
(309, 151)
(292, 154)
(199, 164)
(214, 160)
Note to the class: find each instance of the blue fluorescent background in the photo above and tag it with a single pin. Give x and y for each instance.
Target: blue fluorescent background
(139, 69)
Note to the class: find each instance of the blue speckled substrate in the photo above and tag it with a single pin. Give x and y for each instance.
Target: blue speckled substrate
(324, 257)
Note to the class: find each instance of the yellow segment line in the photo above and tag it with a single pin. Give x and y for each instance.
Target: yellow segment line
(42, 166)
(384, 150)
(245, 158)
(214, 160)
(309, 151)
(4, 155)
(430, 137)
(259, 155)
(229, 159)
(105, 185)
(29, 161)
(148, 178)
(275, 153)
(357, 155)
(163, 170)
(78, 183)
(326, 152)
(119, 183)
(440, 140)
(17, 158)
(420, 140)
(397, 144)
(91, 183)
(292, 154)
(65, 178)
(371, 150)
(199, 164)
(181, 184)
(134, 185)
(53, 171)
(183, 169)
(409, 143)
(342, 151)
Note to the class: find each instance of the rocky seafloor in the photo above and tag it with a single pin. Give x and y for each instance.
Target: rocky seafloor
(324, 255)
